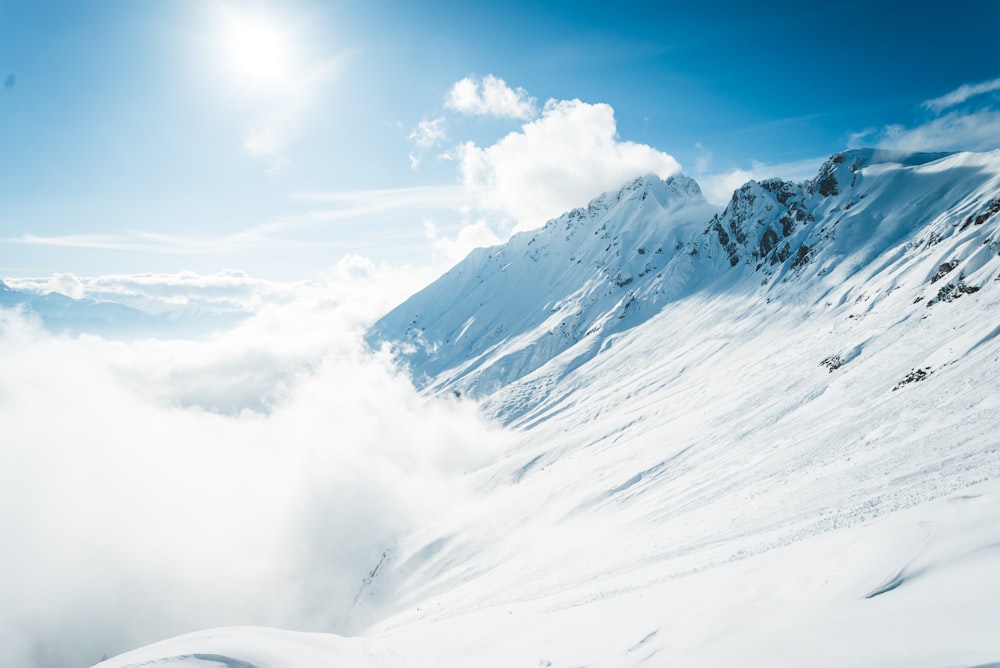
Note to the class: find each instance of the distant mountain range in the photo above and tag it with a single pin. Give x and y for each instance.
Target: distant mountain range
(62, 314)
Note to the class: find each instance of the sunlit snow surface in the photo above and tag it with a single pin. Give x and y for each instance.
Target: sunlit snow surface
(784, 465)
(918, 588)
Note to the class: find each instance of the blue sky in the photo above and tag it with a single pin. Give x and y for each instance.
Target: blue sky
(276, 138)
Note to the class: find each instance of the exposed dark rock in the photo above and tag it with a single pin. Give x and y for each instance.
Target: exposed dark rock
(953, 291)
(992, 208)
(915, 375)
(801, 257)
(768, 241)
(832, 363)
(944, 269)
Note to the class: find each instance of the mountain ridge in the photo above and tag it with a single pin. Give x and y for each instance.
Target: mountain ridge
(478, 329)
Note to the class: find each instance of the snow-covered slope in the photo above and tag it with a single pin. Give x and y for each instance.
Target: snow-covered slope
(869, 223)
(503, 312)
(772, 443)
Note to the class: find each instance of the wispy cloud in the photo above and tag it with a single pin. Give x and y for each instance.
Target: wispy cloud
(451, 248)
(148, 242)
(965, 119)
(364, 200)
(352, 221)
(356, 205)
(490, 96)
(961, 95)
(955, 131)
(428, 133)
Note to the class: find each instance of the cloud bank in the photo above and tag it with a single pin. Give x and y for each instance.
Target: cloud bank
(157, 487)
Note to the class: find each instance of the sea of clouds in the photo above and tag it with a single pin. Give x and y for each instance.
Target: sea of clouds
(254, 476)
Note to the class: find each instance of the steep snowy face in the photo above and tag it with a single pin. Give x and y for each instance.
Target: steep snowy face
(505, 311)
(862, 205)
(869, 224)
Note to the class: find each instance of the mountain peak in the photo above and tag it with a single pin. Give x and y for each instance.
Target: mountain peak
(559, 294)
(675, 191)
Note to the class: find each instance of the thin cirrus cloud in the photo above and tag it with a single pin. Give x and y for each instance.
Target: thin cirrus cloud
(490, 96)
(305, 227)
(955, 131)
(961, 94)
(148, 242)
(965, 119)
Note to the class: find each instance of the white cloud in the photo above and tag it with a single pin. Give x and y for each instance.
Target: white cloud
(861, 138)
(704, 159)
(428, 133)
(450, 249)
(355, 286)
(559, 161)
(167, 244)
(961, 94)
(972, 123)
(718, 187)
(490, 96)
(955, 131)
(154, 487)
(154, 292)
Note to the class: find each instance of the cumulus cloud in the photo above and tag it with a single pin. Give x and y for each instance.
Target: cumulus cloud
(255, 477)
(490, 96)
(570, 154)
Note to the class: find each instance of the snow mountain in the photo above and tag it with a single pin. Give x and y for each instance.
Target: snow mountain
(503, 312)
(759, 436)
(866, 219)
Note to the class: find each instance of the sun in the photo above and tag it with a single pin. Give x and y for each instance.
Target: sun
(256, 49)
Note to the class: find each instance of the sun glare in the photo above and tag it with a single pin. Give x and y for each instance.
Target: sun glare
(256, 49)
